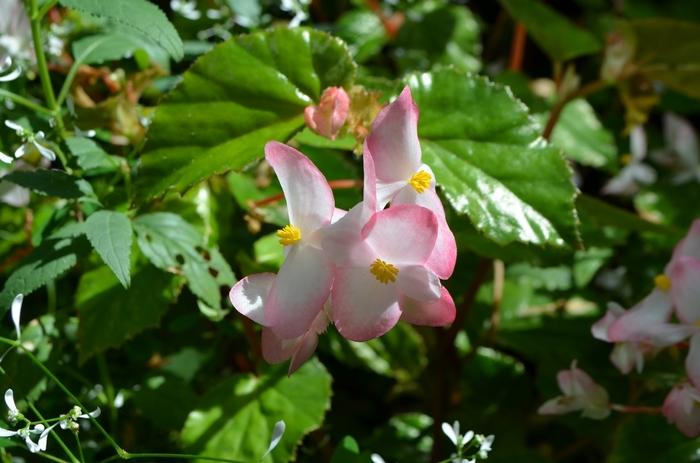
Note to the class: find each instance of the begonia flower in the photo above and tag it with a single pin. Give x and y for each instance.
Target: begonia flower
(401, 177)
(580, 392)
(682, 150)
(328, 117)
(685, 290)
(636, 173)
(382, 276)
(682, 408)
(298, 292)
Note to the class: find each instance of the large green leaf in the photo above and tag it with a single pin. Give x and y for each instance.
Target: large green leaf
(49, 182)
(174, 245)
(110, 234)
(44, 264)
(235, 418)
(558, 37)
(110, 314)
(140, 16)
(234, 99)
(661, 442)
(490, 161)
(669, 51)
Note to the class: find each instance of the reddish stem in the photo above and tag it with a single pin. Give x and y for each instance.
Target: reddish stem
(639, 409)
(517, 49)
(344, 184)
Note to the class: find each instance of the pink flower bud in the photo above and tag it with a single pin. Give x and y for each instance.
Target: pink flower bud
(329, 116)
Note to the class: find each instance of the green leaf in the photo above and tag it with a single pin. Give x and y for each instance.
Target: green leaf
(234, 99)
(174, 245)
(91, 157)
(661, 442)
(97, 49)
(668, 50)
(448, 35)
(48, 182)
(110, 234)
(559, 38)
(490, 161)
(140, 16)
(46, 263)
(364, 33)
(110, 314)
(583, 138)
(235, 418)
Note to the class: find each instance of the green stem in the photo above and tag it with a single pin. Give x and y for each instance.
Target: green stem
(62, 444)
(66, 391)
(109, 388)
(35, 22)
(27, 103)
(80, 447)
(174, 456)
(52, 458)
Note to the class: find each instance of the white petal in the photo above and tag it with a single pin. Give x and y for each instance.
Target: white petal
(15, 126)
(417, 282)
(45, 152)
(21, 151)
(7, 433)
(16, 311)
(248, 296)
(10, 401)
(277, 433)
(450, 433)
(5, 158)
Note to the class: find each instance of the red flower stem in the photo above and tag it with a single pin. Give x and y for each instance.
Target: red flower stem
(344, 184)
(639, 409)
(517, 48)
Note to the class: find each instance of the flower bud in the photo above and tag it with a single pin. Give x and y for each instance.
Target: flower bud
(329, 116)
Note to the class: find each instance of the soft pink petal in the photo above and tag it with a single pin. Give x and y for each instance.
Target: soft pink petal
(682, 408)
(626, 356)
(636, 323)
(394, 140)
(417, 282)
(601, 327)
(402, 235)
(338, 214)
(309, 198)
(299, 292)
(342, 241)
(561, 405)
(578, 384)
(440, 312)
(692, 362)
(690, 245)
(304, 350)
(248, 296)
(276, 349)
(362, 307)
(329, 116)
(444, 256)
(685, 289)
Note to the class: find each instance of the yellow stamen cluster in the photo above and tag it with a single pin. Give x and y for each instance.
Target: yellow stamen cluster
(289, 234)
(383, 271)
(420, 181)
(662, 282)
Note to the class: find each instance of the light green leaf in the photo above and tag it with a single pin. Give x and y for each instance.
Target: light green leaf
(490, 161)
(559, 38)
(97, 49)
(110, 234)
(583, 138)
(49, 182)
(268, 250)
(91, 157)
(235, 418)
(140, 16)
(364, 33)
(173, 245)
(110, 314)
(234, 99)
(46, 263)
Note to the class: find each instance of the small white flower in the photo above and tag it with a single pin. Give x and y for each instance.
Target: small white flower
(277, 433)
(452, 433)
(376, 458)
(186, 8)
(7, 71)
(70, 419)
(34, 139)
(15, 312)
(485, 443)
(13, 413)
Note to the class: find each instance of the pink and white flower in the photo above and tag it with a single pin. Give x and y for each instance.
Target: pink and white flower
(381, 274)
(289, 302)
(580, 392)
(329, 116)
(401, 177)
(682, 408)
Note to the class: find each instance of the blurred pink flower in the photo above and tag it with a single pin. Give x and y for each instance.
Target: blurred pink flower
(580, 392)
(682, 408)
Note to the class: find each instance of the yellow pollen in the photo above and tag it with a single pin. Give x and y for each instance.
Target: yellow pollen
(420, 181)
(383, 271)
(662, 282)
(289, 234)
(626, 159)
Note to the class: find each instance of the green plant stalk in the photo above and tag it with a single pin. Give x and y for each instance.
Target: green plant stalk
(62, 444)
(50, 457)
(109, 388)
(45, 9)
(27, 103)
(80, 447)
(121, 453)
